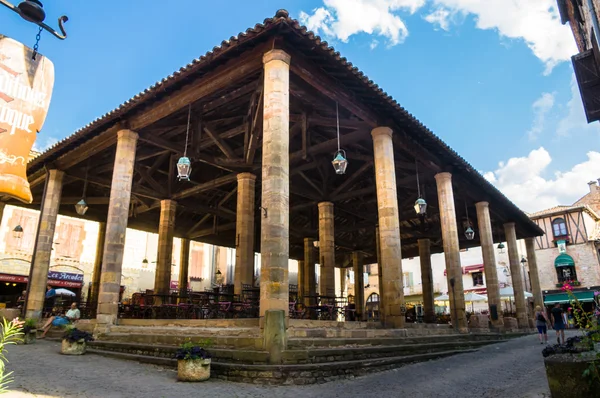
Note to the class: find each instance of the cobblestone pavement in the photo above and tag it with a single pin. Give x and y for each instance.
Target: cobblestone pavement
(513, 369)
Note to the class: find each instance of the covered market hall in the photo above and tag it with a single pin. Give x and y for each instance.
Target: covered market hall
(274, 143)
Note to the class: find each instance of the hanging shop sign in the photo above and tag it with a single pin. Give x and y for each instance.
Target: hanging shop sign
(25, 91)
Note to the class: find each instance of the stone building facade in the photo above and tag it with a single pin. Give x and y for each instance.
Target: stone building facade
(569, 250)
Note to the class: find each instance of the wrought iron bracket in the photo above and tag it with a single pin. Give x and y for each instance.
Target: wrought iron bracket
(41, 24)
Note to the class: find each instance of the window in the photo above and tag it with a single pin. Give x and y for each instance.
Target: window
(477, 278)
(372, 307)
(566, 274)
(70, 239)
(559, 227)
(408, 279)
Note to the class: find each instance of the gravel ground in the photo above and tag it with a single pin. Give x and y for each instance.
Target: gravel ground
(513, 369)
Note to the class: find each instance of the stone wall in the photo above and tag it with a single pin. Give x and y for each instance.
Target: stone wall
(587, 265)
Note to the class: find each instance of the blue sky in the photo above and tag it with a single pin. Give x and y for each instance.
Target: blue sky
(470, 70)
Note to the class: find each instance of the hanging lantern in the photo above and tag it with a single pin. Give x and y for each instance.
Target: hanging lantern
(18, 232)
(184, 168)
(81, 207)
(145, 261)
(469, 233)
(421, 207)
(339, 162)
(501, 247)
(523, 260)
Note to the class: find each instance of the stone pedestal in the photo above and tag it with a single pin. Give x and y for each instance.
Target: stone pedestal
(95, 288)
(274, 335)
(516, 274)
(116, 227)
(275, 248)
(164, 258)
(534, 276)
(43, 248)
(244, 250)
(358, 267)
(392, 299)
(426, 280)
(489, 262)
(184, 267)
(326, 249)
(451, 249)
(379, 272)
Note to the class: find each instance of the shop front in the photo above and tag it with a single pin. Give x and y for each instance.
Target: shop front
(12, 287)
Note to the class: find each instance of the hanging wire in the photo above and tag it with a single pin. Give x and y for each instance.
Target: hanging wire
(187, 133)
(337, 117)
(418, 184)
(467, 211)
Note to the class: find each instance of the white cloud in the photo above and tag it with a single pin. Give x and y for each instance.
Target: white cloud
(521, 180)
(440, 18)
(536, 22)
(541, 107)
(343, 18)
(374, 44)
(42, 144)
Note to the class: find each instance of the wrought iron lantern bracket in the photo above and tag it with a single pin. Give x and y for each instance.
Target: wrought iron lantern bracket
(32, 11)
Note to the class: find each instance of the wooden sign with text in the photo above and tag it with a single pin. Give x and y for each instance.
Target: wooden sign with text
(25, 92)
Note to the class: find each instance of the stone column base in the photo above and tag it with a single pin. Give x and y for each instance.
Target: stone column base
(275, 335)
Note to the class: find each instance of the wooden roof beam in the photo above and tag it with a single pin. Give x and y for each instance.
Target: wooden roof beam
(233, 71)
(216, 183)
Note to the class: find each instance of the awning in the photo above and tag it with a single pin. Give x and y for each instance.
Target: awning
(563, 298)
(564, 260)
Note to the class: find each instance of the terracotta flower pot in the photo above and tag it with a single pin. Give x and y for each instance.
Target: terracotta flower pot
(72, 348)
(193, 369)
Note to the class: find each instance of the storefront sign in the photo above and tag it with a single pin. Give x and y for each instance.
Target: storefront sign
(25, 92)
(13, 278)
(65, 276)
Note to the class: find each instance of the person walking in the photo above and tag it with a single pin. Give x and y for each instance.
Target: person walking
(541, 322)
(558, 323)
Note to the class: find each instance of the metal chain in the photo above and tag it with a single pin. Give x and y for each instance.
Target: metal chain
(37, 42)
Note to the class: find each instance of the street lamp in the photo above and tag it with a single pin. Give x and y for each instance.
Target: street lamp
(501, 248)
(469, 233)
(184, 165)
(18, 232)
(420, 204)
(339, 162)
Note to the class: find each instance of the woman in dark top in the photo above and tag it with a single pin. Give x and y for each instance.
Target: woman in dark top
(558, 323)
(541, 323)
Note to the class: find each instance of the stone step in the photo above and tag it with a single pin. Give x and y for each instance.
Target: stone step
(320, 355)
(168, 351)
(176, 340)
(391, 341)
(292, 374)
(189, 330)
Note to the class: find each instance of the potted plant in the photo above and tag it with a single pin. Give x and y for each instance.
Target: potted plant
(74, 341)
(29, 331)
(573, 369)
(193, 362)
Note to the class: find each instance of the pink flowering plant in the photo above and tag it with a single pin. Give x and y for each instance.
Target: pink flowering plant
(589, 325)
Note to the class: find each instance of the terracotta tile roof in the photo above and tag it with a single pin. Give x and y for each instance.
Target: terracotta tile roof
(564, 209)
(417, 130)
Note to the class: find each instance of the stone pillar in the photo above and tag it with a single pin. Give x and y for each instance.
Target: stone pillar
(489, 261)
(244, 247)
(326, 249)
(309, 279)
(427, 280)
(534, 276)
(379, 271)
(164, 258)
(301, 271)
(451, 249)
(516, 275)
(343, 273)
(43, 248)
(275, 246)
(95, 288)
(184, 267)
(358, 267)
(116, 227)
(392, 299)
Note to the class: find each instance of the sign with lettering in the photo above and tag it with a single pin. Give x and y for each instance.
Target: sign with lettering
(25, 91)
(65, 276)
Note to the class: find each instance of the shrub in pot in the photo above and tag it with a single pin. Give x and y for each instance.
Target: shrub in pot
(193, 362)
(29, 331)
(74, 341)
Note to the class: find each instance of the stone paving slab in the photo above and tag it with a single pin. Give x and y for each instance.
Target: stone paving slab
(512, 369)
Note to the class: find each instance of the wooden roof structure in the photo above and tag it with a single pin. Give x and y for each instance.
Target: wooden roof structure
(224, 90)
